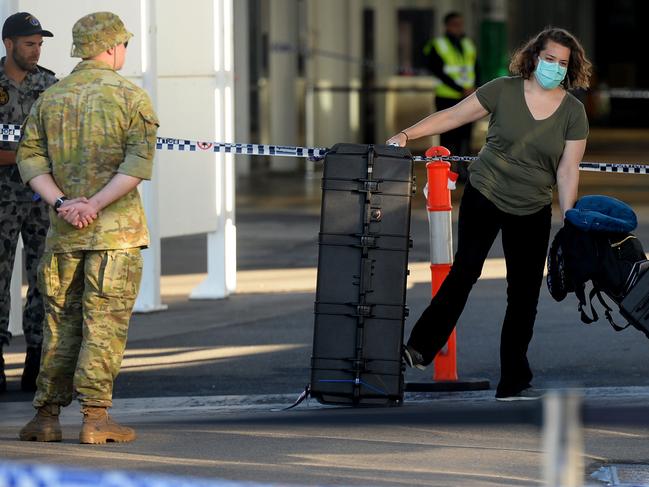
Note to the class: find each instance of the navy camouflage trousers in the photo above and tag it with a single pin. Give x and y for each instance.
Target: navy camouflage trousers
(30, 220)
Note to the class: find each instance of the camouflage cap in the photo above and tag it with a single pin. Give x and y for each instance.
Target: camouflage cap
(96, 32)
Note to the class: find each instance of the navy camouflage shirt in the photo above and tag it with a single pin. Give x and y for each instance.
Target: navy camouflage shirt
(15, 102)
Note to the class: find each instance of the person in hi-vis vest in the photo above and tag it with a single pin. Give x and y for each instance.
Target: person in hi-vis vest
(452, 59)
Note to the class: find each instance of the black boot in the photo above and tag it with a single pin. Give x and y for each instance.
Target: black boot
(30, 371)
(3, 378)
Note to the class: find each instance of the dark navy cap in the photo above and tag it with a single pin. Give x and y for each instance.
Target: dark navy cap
(23, 24)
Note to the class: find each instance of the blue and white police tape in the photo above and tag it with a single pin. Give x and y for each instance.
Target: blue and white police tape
(243, 149)
(11, 133)
(24, 475)
(316, 153)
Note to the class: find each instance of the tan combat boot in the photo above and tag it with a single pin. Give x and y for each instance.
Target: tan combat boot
(45, 426)
(98, 427)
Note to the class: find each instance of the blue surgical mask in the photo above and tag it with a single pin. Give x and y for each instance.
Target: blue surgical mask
(549, 75)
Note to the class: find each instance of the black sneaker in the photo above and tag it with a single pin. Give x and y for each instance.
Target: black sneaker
(529, 394)
(30, 371)
(413, 358)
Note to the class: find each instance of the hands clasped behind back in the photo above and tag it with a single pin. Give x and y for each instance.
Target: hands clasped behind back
(78, 212)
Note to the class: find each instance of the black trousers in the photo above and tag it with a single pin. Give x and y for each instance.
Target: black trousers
(525, 243)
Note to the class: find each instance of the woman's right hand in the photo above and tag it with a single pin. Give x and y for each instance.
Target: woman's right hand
(400, 139)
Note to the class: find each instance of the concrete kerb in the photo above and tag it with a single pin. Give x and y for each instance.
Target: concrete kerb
(142, 410)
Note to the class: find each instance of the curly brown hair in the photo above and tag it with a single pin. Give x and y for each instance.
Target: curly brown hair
(579, 67)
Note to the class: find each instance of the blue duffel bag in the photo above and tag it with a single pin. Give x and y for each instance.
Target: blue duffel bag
(598, 213)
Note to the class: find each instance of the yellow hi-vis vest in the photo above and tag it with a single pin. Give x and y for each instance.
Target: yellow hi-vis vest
(460, 67)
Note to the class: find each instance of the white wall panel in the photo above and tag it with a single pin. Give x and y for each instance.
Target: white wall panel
(186, 46)
(60, 15)
(186, 82)
(187, 180)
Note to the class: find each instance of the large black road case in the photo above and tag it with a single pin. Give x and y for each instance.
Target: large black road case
(362, 269)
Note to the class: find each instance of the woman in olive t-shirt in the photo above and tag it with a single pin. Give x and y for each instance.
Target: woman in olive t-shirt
(536, 139)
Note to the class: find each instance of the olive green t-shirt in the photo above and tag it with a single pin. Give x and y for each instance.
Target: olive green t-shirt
(517, 167)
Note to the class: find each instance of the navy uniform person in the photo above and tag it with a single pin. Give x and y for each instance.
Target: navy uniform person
(453, 60)
(21, 211)
(88, 142)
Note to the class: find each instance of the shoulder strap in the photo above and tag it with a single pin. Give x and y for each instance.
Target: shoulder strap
(581, 296)
(607, 309)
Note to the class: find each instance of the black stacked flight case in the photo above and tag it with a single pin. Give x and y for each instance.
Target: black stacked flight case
(362, 269)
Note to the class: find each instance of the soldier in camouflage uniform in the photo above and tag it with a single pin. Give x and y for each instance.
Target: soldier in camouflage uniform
(87, 143)
(21, 211)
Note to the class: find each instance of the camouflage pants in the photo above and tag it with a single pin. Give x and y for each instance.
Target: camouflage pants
(89, 297)
(31, 221)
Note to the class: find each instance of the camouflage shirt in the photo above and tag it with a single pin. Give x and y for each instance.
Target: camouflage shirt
(83, 130)
(15, 102)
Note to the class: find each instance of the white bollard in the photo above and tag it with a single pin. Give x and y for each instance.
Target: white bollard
(562, 439)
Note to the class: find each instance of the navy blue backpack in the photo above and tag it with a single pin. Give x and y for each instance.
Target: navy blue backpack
(595, 244)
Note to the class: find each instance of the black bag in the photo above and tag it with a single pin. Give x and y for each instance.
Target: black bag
(635, 305)
(611, 261)
(362, 269)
